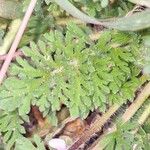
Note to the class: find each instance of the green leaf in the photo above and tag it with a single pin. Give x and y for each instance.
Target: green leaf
(141, 2)
(120, 139)
(25, 106)
(24, 143)
(129, 23)
(10, 125)
(69, 69)
(104, 3)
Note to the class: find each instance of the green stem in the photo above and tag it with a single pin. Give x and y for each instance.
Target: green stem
(137, 103)
(10, 36)
(145, 93)
(144, 115)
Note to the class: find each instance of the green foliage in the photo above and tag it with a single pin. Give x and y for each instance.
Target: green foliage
(69, 68)
(72, 70)
(24, 144)
(121, 139)
(10, 126)
(129, 23)
(146, 126)
(37, 25)
(97, 8)
(126, 138)
(143, 139)
(130, 135)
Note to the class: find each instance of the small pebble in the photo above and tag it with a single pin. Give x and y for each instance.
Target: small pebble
(58, 144)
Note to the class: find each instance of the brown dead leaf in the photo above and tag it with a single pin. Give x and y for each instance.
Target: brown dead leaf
(38, 116)
(74, 128)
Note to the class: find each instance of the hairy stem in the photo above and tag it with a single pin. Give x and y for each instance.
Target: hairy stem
(16, 54)
(10, 36)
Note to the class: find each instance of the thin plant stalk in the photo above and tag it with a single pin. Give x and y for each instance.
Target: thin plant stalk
(17, 40)
(142, 97)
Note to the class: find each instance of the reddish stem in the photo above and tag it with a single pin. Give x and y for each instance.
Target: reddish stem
(16, 54)
(17, 40)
